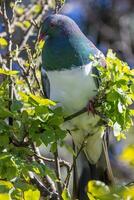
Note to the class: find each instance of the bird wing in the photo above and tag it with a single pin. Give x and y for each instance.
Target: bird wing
(45, 83)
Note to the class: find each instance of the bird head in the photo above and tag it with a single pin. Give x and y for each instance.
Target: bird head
(55, 25)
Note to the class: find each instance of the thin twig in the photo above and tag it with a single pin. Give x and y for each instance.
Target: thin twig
(58, 5)
(47, 178)
(74, 161)
(31, 29)
(75, 179)
(9, 56)
(57, 165)
(63, 163)
(42, 188)
(109, 168)
(82, 111)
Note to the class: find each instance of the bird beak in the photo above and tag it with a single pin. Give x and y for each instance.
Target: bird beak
(42, 37)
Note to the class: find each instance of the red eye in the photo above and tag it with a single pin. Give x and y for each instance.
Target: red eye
(52, 24)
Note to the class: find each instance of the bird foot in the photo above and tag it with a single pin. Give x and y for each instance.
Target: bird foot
(90, 107)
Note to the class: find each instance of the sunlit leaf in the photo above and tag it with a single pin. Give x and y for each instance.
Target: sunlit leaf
(23, 96)
(5, 197)
(26, 24)
(37, 8)
(7, 184)
(19, 10)
(41, 44)
(3, 42)
(42, 101)
(115, 94)
(132, 87)
(65, 195)
(128, 193)
(97, 190)
(19, 24)
(127, 155)
(32, 195)
(8, 72)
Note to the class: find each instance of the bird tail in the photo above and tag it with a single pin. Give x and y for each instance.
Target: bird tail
(100, 171)
(89, 172)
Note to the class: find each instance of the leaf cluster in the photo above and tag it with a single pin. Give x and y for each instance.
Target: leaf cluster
(115, 94)
(34, 121)
(97, 190)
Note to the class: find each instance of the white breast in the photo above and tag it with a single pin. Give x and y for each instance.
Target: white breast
(72, 88)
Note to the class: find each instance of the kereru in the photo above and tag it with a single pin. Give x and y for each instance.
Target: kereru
(67, 78)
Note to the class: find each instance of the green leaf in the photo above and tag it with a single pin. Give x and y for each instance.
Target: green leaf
(4, 113)
(4, 140)
(60, 134)
(132, 88)
(8, 167)
(23, 96)
(50, 172)
(16, 105)
(27, 24)
(48, 137)
(5, 186)
(41, 44)
(5, 197)
(112, 96)
(3, 42)
(127, 155)
(115, 94)
(97, 190)
(19, 10)
(128, 192)
(53, 147)
(32, 195)
(37, 8)
(42, 101)
(8, 72)
(66, 195)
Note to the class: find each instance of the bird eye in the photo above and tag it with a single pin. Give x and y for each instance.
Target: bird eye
(52, 24)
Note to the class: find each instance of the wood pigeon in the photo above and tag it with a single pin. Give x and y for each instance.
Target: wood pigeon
(67, 78)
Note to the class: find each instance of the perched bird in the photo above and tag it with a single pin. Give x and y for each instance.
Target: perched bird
(67, 78)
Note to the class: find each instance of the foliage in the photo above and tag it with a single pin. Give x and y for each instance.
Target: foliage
(97, 190)
(27, 119)
(115, 94)
(3, 42)
(127, 155)
(33, 122)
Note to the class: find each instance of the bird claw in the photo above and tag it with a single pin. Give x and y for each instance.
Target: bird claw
(90, 107)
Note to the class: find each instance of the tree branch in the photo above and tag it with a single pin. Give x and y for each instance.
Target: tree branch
(9, 56)
(58, 5)
(42, 188)
(47, 178)
(109, 168)
(63, 163)
(82, 111)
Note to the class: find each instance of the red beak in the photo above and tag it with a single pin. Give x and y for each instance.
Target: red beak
(41, 37)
